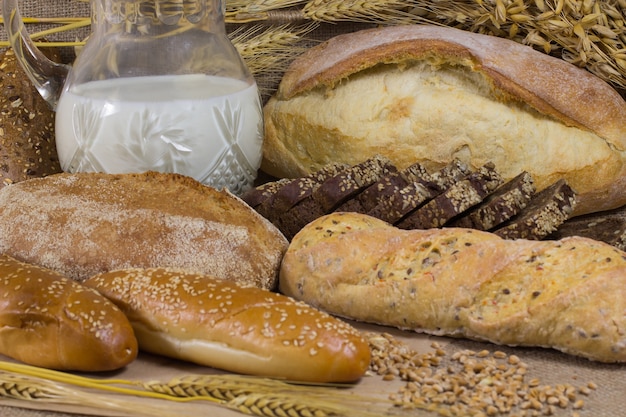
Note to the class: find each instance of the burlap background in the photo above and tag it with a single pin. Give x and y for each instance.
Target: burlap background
(610, 398)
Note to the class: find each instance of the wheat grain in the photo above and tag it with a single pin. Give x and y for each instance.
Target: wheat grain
(587, 33)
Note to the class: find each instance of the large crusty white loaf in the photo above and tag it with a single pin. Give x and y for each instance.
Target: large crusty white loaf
(83, 224)
(420, 93)
(51, 321)
(218, 323)
(569, 295)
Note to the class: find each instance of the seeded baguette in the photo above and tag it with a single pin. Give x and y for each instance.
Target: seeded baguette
(50, 321)
(220, 324)
(569, 294)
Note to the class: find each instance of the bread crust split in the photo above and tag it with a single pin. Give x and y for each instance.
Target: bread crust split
(87, 223)
(217, 323)
(50, 321)
(568, 294)
(421, 93)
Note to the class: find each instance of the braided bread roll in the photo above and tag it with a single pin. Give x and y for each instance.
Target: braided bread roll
(569, 294)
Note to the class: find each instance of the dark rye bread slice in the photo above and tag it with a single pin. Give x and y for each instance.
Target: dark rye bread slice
(349, 182)
(332, 192)
(296, 191)
(458, 198)
(385, 188)
(422, 188)
(401, 201)
(450, 174)
(506, 202)
(256, 196)
(300, 188)
(545, 213)
(605, 226)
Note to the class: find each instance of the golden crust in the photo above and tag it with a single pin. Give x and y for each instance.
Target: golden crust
(217, 323)
(550, 85)
(434, 94)
(464, 283)
(51, 321)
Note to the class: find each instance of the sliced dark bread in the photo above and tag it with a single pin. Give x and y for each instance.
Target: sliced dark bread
(543, 215)
(450, 174)
(605, 226)
(300, 188)
(422, 187)
(505, 202)
(294, 219)
(254, 197)
(351, 181)
(458, 198)
(400, 202)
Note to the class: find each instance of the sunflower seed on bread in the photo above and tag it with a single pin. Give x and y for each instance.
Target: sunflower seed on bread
(605, 226)
(543, 215)
(27, 138)
(507, 201)
(458, 198)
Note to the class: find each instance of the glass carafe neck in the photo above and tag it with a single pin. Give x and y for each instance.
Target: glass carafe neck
(147, 16)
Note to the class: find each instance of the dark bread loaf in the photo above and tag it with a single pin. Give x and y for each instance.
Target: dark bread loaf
(50, 321)
(83, 224)
(27, 139)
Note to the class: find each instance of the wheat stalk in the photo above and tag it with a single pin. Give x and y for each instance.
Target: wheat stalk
(588, 33)
(40, 390)
(269, 397)
(246, 394)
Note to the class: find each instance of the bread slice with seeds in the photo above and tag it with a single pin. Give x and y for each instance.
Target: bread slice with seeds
(420, 189)
(300, 188)
(346, 184)
(507, 201)
(256, 196)
(607, 226)
(544, 214)
(464, 194)
(385, 188)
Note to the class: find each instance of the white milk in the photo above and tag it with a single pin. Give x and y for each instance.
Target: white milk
(209, 128)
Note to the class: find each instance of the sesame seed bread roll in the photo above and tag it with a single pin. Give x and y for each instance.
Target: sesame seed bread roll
(569, 294)
(246, 330)
(50, 321)
(430, 94)
(86, 223)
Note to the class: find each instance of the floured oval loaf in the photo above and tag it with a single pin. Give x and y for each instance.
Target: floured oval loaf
(87, 223)
(427, 94)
